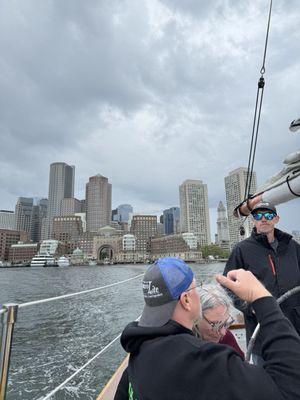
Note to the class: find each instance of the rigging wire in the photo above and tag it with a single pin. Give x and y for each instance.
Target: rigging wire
(256, 121)
(257, 112)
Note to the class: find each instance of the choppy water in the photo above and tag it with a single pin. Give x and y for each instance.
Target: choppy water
(54, 339)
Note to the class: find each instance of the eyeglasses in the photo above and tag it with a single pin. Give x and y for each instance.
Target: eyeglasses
(268, 215)
(217, 326)
(194, 287)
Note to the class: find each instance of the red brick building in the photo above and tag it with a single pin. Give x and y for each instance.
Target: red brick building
(9, 237)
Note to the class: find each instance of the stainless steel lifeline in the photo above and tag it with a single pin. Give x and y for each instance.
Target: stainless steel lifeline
(8, 315)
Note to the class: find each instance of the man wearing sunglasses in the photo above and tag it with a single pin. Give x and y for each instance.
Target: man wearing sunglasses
(274, 258)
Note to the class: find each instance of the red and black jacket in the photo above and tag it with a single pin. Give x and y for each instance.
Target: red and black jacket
(278, 270)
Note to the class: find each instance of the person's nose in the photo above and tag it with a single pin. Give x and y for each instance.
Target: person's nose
(222, 331)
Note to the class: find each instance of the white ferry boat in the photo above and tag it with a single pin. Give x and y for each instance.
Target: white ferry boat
(63, 262)
(43, 260)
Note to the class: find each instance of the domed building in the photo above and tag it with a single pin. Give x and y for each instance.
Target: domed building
(77, 257)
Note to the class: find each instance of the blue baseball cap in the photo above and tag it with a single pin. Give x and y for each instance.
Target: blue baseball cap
(163, 283)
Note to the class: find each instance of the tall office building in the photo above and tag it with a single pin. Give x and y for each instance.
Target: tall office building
(171, 220)
(98, 203)
(70, 206)
(7, 219)
(23, 213)
(143, 227)
(67, 228)
(194, 211)
(38, 218)
(235, 184)
(9, 237)
(114, 214)
(222, 227)
(61, 185)
(123, 212)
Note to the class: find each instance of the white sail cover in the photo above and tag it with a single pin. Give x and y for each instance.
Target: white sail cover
(285, 185)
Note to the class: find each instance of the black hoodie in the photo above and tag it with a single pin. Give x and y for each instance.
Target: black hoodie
(278, 270)
(169, 363)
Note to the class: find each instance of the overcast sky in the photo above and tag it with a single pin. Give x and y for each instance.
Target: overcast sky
(146, 92)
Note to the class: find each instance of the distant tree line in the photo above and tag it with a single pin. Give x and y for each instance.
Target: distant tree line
(214, 250)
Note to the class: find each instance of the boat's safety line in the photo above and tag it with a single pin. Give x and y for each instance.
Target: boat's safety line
(84, 366)
(9, 319)
(49, 395)
(64, 296)
(256, 330)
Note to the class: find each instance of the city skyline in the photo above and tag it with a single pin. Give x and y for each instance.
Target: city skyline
(165, 99)
(213, 212)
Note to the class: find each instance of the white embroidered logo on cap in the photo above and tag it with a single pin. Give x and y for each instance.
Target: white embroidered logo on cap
(150, 290)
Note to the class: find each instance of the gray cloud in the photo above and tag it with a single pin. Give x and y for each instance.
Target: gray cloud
(148, 93)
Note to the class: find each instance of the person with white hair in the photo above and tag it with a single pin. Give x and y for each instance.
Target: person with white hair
(215, 317)
(167, 361)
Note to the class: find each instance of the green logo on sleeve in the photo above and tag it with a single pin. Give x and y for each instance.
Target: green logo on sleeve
(131, 393)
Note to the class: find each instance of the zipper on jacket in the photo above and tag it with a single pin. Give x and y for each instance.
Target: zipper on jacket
(272, 265)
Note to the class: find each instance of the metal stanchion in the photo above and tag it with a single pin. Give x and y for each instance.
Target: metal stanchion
(8, 320)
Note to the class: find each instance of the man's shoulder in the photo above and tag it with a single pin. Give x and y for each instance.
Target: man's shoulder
(245, 244)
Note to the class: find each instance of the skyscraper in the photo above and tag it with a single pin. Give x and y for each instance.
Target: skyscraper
(38, 217)
(23, 213)
(143, 227)
(222, 227)
(194, 211)
(98, 203)
(7, 219)
(235, 184)
(70, 206)
(123, 211)
(171, 220)
(61, 185)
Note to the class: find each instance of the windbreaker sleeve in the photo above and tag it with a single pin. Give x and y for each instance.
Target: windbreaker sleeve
(280, 350)
(235, 261)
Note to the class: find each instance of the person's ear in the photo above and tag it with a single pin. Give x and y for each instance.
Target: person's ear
(277, 219)
(185, 300)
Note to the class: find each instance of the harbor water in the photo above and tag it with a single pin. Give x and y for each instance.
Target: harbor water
(52, 340)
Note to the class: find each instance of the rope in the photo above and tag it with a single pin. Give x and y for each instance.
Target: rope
(256, 330)
(30, 303)
(49, 395)
(257, 114)
(84, 366)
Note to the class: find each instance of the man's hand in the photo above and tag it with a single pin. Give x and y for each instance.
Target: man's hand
(244, 284)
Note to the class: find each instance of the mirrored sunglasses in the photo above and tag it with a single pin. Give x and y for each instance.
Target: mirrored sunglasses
(268, 215)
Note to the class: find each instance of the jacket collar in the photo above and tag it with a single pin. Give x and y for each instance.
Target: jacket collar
(282, 237)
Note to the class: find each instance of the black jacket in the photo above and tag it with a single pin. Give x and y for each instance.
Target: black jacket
(169, 363)
(278, 270)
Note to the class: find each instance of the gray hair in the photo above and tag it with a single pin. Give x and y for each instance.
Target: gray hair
(212, 296)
